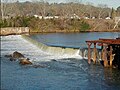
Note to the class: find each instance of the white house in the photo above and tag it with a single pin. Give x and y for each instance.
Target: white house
(56, 17)
(36, 16)
(86, 17)
(48, 17)
(107, 18)
(93, 17)
(40, 17)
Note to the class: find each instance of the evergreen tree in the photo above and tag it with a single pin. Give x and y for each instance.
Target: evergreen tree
(118, 11)
(113, 13)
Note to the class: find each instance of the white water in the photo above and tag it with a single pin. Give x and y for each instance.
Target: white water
(12, 43)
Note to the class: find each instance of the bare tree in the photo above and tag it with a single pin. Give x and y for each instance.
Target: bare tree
(89, 9)
(43, 6)
(3, 7)
(1, 10)
(101, 9)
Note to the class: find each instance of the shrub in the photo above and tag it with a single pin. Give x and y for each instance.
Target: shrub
(84, 26)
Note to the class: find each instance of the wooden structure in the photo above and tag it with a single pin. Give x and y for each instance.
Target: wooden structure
(110, 51)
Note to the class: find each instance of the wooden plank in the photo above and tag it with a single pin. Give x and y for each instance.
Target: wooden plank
(107, 41)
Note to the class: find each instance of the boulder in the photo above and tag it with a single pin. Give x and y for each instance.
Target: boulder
(17, 55)
(8, 56)
(12, 59)
(25, 61)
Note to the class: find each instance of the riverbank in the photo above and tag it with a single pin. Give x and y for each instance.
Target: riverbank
(27, 30)
(61, 25)
(72, 31)
(14, 31)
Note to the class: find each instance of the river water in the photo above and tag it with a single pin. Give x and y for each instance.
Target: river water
(75, 40)
(60, 72)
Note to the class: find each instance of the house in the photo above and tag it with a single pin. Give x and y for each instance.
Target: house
(93, 17)
(107, 18)
(56, 17)
(48, 17)
(86, 17)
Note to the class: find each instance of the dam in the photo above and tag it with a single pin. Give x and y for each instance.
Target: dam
(62, 50)
(14, 31)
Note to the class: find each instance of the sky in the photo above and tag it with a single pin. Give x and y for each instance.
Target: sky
(109, 3)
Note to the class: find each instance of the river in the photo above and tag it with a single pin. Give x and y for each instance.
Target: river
(61, 72)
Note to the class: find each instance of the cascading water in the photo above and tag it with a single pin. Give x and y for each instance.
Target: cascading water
(54, 50)
(64, 51)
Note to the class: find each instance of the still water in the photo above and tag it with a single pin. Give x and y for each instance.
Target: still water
(75, 40)
(60, 72)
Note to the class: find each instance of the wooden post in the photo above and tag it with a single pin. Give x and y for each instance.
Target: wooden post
(89, 55)
(105, 55)
(102, 53)
(95, 56)
(111, 56)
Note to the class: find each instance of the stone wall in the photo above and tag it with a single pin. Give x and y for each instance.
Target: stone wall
(14, 30)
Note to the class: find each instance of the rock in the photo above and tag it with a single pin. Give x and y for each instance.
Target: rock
(12, 59)
(17, 55)
(25, 61)
(8, 56)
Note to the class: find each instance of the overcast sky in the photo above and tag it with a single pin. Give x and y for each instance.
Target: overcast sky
(109, 3)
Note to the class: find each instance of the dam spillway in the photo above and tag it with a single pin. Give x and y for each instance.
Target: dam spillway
(53, 49)
(56, 50)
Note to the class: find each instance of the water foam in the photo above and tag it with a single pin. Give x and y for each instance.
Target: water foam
(55, 51)
(12, 43)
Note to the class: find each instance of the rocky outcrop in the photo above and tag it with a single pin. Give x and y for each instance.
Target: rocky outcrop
(17, 55)
(23, 60)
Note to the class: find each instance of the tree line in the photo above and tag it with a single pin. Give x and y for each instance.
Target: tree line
(61, 9)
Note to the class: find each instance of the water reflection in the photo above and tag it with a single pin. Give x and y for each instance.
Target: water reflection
(111, 76)
(76, 40)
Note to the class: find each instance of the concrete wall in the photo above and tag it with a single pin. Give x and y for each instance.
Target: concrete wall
(14, 30)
